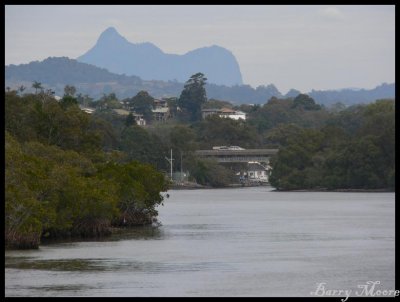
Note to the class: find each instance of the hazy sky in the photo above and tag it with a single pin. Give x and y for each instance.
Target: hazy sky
(302, 47)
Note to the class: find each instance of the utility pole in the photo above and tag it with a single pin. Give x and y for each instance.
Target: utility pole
(181, 166)
(170, 162)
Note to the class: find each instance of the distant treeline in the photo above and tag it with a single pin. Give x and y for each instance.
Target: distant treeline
(54, 73)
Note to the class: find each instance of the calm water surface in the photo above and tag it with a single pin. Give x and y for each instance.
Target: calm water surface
(225, 242)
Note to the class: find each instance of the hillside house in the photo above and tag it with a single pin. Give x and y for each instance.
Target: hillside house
(161, 114)
(138, 117)
(224, 112)
(121, 112)
(87, 109)
(161, 111)
(160, 103)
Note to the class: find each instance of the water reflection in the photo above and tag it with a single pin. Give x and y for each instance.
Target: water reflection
(55, 265)
(138, 233)
(134, 233)
(98, 265)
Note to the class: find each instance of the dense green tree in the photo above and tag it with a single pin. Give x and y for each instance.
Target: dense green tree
(139, 188)
(283, 111)
(282, 133)
(19, 120)
(182, 138)
(142, 103)
(217, 131)
(305, 102)
(69, 90)
(142, 146)
(68, 101)
(116, 121)
(291, 167)
(55, 186)
(130, 120)
(24, 215)
(349, 119)
(192, 98)
(51, 191)
(209, 172)
(333, 157)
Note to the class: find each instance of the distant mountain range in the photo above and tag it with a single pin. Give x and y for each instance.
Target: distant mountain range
(118, 55)
(56, 72)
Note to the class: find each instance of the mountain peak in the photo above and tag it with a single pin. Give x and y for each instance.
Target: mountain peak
(110, 35)
(110, 30)
(115, 53)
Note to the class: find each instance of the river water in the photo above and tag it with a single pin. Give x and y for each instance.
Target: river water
(225, 242)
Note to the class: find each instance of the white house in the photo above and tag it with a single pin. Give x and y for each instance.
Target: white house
(87, 109)
(224, 112)
(161, 110)
(139, 119)
(161, 113)
(257, 172)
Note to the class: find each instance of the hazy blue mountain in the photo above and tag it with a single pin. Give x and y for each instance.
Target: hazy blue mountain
(243, 94)
(118, 55)
(54, 73)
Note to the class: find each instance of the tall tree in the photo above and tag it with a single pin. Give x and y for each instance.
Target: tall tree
(142, 103)
(192, 98)
(37, 85)
(305, 102)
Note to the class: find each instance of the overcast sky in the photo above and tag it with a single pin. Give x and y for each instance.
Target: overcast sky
(301, 47)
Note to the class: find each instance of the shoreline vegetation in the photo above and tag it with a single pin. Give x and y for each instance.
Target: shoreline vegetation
(195, 186)
(61, 182)
(70, 173)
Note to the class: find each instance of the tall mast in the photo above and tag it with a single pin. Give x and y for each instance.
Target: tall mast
(170, 162)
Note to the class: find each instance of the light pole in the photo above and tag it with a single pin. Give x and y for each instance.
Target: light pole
(170, 162)
(181, 166)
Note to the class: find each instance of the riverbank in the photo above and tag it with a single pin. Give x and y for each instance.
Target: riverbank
(339, 190)
(193, 185)
(188, 186)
